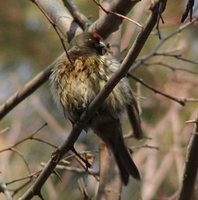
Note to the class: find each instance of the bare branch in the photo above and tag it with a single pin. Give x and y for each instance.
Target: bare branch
(57, 13)
(43, 141)
(55, 28)
(191, 167)
(188, 10)
(22, 140)
(21, 187)
(28, 89)
(117, 14)
(79, 170)
(83, 189)
(177, 57)
(180, 101)
(162, 41)
(31, 176)
(81, 19)
(171, 67)
(22, 157)
(161, 9)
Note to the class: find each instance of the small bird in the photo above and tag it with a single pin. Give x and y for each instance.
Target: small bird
(76, 79)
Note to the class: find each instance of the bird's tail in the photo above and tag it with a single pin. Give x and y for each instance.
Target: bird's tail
(111, 133)
(124, 161)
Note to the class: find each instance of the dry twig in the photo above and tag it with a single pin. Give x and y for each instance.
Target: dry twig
(180, 101)
(117, 14)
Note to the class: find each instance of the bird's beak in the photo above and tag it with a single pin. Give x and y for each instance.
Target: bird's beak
(103, 47)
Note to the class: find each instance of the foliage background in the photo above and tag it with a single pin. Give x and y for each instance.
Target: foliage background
(28, 44)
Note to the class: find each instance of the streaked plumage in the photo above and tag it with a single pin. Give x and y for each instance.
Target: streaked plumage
(75, 84)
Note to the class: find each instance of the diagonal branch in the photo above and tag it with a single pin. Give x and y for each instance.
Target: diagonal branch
(28, 89)
(180, 101)
(191, 167)
(77, 128)
(81, 19)
(188, 11)
(116, 14)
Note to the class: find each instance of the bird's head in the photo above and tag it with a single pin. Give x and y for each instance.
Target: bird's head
(88, 43)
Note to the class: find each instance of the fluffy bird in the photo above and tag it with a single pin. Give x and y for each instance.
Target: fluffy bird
(76, 79)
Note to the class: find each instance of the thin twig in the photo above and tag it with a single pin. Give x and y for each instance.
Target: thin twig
(22, 157)
(27, 90)
(180, 101)
(177, 57)
(117, 14)
(162, 41)
(30, 176)
(24, 139)
(191, 100)
(161, 9)
(21, 187)
(83, 189)
(170, 67)
(145, 146)
(54, 26)
(78, 170)
(43, 141)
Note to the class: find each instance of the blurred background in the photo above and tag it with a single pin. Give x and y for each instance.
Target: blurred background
(29, 44)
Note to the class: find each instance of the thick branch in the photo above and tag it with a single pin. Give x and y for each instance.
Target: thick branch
(188, 10)
(191, 167)
(66, 146)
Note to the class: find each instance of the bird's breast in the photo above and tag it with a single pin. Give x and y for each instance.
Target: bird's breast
(75, 85)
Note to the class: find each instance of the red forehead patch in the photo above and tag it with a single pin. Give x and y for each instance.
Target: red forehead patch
(96, 36)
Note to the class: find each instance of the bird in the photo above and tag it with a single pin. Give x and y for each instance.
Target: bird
(78, 77)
